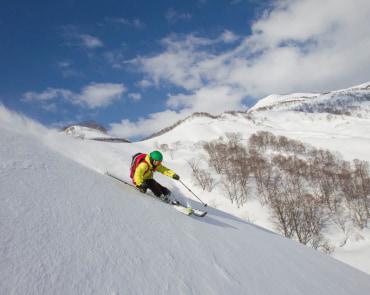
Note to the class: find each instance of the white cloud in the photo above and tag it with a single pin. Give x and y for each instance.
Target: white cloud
(144, 83)
(100, 94)
(90, 41)
(174, 67)
(74, 37)
(94, 95)
(228, 37)
(64, 64)
(134, 96)
(47, 95)
(174, 16)
(209, 99)
(295, 46)
(136, 23)
(179, 63)
(47, 99)
(148, 125)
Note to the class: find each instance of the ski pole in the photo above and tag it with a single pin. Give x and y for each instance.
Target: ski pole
(204, 204)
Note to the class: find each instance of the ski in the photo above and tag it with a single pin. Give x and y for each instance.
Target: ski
(199, 213)
(175, 204)
(188, 210)
(185, 210)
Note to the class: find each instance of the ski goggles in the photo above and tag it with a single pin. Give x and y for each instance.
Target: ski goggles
(156, 163)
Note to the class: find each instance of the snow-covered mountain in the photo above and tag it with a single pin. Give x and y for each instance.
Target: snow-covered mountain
(66, 229)
(341, 116)
(84, 132)
(351, 101)
(91, 133)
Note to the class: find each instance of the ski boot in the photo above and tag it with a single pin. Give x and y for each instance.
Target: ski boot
(166, 199)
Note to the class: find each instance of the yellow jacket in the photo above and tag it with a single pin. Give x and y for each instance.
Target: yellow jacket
(145, 171)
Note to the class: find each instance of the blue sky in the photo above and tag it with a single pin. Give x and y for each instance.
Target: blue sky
(139, 66)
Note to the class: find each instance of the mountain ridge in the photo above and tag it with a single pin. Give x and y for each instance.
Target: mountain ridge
(302, 102)
(280, 102)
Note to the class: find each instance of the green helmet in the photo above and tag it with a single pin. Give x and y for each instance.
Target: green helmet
(156, 155)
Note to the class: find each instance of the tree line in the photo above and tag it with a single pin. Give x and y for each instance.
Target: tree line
(305, 188)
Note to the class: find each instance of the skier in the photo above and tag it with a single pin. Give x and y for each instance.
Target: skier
(142, 168)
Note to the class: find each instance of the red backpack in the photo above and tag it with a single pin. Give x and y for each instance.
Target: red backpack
(136, 160)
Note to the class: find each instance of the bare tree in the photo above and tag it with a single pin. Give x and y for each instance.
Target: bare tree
(201, 177)
(348, 188)
(305, 187)
(262, 171)
(216, 151)
(280, 206)
(362, 181)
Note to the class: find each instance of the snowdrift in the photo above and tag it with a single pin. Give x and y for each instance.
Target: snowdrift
(66, 229)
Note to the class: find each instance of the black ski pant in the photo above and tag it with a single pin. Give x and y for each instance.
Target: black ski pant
(157, 188)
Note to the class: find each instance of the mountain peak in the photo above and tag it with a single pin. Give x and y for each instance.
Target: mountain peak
(89, 124)
(343, 101)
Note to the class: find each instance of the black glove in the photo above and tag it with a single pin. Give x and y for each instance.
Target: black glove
(175, 176)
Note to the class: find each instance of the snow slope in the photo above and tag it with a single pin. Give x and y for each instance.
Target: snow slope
(344, 134)
(66, 229)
